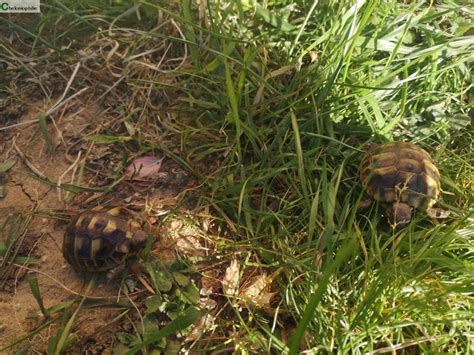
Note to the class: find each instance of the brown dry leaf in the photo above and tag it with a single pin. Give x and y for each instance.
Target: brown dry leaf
(202, 325)
(188, 237)
(258, 294)
(143, 168)
(314, 56)
(273, 74)
(210, 281)
(230, 283)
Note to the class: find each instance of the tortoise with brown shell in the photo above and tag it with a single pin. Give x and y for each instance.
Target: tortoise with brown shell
(99, 239)
(403, 177)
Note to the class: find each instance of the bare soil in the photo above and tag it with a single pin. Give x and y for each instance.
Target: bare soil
(51, 208)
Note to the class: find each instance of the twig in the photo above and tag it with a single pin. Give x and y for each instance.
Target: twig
(404, 345)
(29, 164)
(70, 290)
(72, 166)
(68, 86)
(49, 112)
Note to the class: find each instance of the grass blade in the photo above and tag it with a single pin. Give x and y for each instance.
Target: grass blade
(44, 131)
(189, 316)
(316, 297)
(33, 282)
(63, 335)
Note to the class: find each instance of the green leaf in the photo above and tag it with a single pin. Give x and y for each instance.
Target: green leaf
(272, 19)
(162, 282)
(44, 131)
(125, 338)
(24, 260)
(300, 157)
(172, 310)
(181, 280)
(150, 326)
(33, 282)
(190, 293)
(189, 316)
(314, 299)
(7, 165)
(69, 187)
(153, 303)
(64, 335)
(233, 115)
(120, 348)
(190, 35)
(109, 139)
(53, 342)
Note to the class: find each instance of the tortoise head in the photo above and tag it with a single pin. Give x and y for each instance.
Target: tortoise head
(138, 240)
(399, 214)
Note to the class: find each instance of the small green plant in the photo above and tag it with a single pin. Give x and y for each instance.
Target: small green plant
(269, 104)
(12, 236)
(169, 311)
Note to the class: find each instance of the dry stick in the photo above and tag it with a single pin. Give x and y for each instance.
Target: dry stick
(154, 66)
(145, 284)
(138, 312)
(404, 345)
(58, 131)
(68, 289)
(183, 60)
(185, 46)
(72, 166)
(81, 165)
(68, 86)
(29, 164)
(49, 112)
(157, 66)
(59, 103)
(99, 99)
(142, 54)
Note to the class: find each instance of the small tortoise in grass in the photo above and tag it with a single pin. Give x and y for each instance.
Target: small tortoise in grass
(99, 240)
(402, 176)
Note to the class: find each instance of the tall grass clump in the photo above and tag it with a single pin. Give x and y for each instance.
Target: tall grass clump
(282, 97)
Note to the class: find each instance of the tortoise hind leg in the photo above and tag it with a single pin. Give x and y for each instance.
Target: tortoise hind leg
(399, 214)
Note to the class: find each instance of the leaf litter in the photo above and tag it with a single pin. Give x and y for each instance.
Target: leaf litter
(255, 292)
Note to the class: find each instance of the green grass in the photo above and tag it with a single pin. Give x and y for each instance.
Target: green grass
(283, 96)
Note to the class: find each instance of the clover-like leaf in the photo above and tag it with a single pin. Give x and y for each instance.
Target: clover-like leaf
(189, 294)
(181, 280)
(153, 303)
(163, 282)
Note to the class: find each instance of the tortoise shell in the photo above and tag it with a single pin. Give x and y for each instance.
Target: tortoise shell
(400, 173)
(99, 240)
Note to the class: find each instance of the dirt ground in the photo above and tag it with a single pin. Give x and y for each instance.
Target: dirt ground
(51, 207)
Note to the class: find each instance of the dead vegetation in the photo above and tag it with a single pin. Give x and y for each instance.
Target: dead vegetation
(209, 135)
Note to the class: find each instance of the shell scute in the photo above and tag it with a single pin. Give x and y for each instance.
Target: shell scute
(410, 165)
(400, 172)
(98, 240)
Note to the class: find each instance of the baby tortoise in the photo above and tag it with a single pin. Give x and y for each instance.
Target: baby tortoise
(99, 240)
(402, 176)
